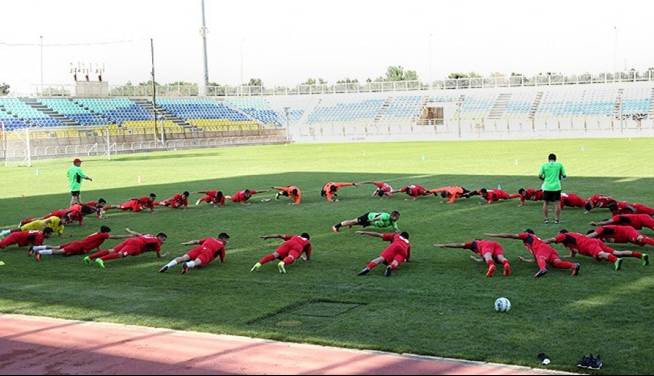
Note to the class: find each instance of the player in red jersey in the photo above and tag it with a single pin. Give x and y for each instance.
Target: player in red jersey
(25, 238)
(620, 234)
(397, 253)
(572, 200)
(134, 246)
(294, 247)
(414, 191)
(244, 195)
(382, 190)
(495, 195)
(207, 250)
(451, 193)
(80, 247)
(623, 207)
(543, 253)
(137, 204)
(490, 252)
(598, 201)
(179, 200)
(330, 190)
(292, 192)
(637, 221)
(212, 197)
(530, 195)
(595, 248)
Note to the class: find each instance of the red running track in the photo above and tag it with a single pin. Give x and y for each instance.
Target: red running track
(37, 345)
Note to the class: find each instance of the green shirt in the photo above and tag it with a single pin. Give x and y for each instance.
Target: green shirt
(75, 176)
(552, 173)
(383, 221)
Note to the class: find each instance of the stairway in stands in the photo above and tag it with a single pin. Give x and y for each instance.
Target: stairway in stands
(35, 104)
(162, 114)
(617, 107)
(497, 111)
(651, 105)
(237, 109)
(384, 107)
(535, 105)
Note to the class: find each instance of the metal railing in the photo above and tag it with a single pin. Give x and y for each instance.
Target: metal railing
(191, 90)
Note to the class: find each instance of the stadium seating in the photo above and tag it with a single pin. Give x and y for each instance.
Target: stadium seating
(27, 115)
(336, 110)
(404, 107)
(258, 108)
(73, 110)
(117, 110)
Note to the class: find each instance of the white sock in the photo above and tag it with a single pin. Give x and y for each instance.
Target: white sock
(197, 203)
(4, 233)
(39, 247)
(190, 264)
(47, 252)
(171, 264)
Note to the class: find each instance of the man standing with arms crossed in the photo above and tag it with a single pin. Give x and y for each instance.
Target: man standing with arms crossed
(551, 174)
(75, 176)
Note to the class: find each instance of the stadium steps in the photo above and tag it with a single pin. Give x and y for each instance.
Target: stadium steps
(497, 111)
(236, 109)
(161, 113)
(26, 121)
(384, 107)
(35, 104)
(98, 114)
(617, 108)
(535, 105)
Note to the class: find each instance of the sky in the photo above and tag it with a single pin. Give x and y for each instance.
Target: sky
(284, 42)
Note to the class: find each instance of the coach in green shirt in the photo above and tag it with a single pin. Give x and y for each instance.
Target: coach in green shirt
(75, 176)
(551, 174)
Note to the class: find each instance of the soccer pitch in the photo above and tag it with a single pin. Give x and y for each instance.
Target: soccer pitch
(438, 304)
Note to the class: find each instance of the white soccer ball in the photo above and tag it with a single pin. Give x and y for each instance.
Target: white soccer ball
(502, 305)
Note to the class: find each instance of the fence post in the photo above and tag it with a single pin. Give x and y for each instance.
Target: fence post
(28, 144)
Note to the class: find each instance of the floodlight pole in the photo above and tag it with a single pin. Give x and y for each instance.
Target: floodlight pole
(203, 32)
(154, 94)
(41, 45)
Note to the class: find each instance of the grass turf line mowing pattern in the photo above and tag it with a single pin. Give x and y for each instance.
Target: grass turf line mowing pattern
(439, 304)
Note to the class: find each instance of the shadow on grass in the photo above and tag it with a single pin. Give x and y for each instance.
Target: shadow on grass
(163, 155)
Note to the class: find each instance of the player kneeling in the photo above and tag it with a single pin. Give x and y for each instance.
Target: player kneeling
(79, 247)
(202, 255)
(133, 246)
(490, 252)
(393, 256)
(293, 248)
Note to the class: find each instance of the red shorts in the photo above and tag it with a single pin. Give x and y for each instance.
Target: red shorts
(549, 257)
(391, 255)
(495, 252)
(284, 252)
(74, 248)
(133, 206)
(206, 198)
(205, 256)
(128, 250)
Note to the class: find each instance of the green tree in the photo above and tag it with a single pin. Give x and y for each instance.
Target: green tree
(255, 82)
(4, 89)
(397, 73)
(309, 81)
(350, 81)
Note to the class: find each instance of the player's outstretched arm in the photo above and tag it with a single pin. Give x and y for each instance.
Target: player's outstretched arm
(527, 260)
(133, 233)
(504, 235)
(450, 245)
(549, 241)
(120, 236)
(476, 259)
(593, 234)
(262, 191)
(273, 236)
(370, 233)
(190, 242)
(602, 223)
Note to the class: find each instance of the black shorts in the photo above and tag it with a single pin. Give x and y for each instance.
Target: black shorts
(552, 196)
(75, 193)
(363, 220)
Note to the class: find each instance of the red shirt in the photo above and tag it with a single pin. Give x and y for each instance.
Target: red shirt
(24, 238)
(578, 242)
(298, 243)
(532, 195)
(214, 248)
(214, 198)
(493, 195)
(398, 244)
(637, 221)
(94, 241)
(384, 187)
(482, 247)
(146, 202)
(177, 200)
(240, 196)
(634, 208)
(617, 234)
(572, 200)
(146, 243)
(600, 201)
(414, 190)
(535, 245)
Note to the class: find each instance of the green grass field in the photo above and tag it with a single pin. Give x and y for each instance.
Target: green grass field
(439, 304)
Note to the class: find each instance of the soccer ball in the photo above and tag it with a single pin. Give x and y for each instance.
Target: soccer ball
(502, 305)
